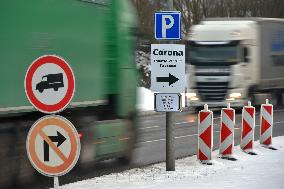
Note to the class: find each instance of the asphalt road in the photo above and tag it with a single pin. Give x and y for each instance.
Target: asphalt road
(151, 146)
(153, 133)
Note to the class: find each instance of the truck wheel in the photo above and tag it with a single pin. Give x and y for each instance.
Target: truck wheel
(132, 123)
(273, 100)
(88, 147)
(55, 89)
(252, 98)
(279, 98)
(198, 109)
(126, 160)
(40, 90)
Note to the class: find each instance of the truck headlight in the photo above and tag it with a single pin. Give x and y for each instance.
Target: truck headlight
(192, 96)
(235, 95)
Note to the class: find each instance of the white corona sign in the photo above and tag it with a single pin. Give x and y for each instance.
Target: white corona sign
(167, 68)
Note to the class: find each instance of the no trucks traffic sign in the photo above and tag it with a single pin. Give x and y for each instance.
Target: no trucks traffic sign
(50, 84)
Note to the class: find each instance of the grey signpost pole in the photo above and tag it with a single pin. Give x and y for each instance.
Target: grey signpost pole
(185, 97)
(56, 182)
(170, 151)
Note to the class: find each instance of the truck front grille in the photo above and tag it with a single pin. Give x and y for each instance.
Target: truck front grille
(209, 90)
(212, 91)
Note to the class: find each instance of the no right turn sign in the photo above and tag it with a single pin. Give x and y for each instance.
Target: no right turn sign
(53, 146)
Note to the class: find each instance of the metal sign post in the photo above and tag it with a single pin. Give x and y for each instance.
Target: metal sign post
(56, 182)
(170, 147)
(168, 77)
(168, 73)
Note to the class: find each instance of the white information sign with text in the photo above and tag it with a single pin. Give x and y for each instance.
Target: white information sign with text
(167, 102)
(167, 68)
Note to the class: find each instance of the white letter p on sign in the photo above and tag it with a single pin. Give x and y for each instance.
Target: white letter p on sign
(166, 26)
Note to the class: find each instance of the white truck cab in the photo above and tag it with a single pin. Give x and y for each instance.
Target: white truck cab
(225, 62)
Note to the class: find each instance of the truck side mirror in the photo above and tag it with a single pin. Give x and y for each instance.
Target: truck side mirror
(245, 54)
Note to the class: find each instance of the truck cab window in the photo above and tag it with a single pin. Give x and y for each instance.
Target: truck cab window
(246, 55)
(212, 54)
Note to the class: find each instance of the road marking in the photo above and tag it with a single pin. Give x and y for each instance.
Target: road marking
(183, 122)
(157, 126)
(275, 123)
(192, 121)
(220, 117)
(278, 122)
(185, 136)
(191, 135)
(149, 141)
(178, 137)
(151, 127)
(278, 110)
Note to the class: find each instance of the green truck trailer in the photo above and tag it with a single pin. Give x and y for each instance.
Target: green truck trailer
(95, 37)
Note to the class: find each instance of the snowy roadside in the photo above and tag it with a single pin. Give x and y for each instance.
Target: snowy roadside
(266, 170)
(145, 99)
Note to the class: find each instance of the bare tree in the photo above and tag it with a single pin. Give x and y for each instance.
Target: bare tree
(193, 11)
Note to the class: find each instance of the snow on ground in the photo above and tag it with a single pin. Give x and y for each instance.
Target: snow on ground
(266, 170)
(146, 99)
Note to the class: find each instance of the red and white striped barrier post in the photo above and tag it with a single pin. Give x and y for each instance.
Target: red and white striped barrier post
(266, 124)
(227, 133)
(205, 135)
(248, 124)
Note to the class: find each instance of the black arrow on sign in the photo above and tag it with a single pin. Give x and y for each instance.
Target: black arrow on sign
(171, 79)
(59, 139)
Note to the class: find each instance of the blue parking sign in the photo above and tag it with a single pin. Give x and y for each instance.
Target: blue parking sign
(168, 25)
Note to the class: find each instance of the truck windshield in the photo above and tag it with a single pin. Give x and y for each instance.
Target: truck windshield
(208, 54)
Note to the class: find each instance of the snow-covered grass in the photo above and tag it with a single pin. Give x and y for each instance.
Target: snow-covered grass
(265, 170)
(145, 99)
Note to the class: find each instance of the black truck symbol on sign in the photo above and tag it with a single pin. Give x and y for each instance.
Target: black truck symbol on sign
(49, 81)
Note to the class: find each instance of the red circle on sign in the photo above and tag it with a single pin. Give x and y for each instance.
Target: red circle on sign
(62, 104)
